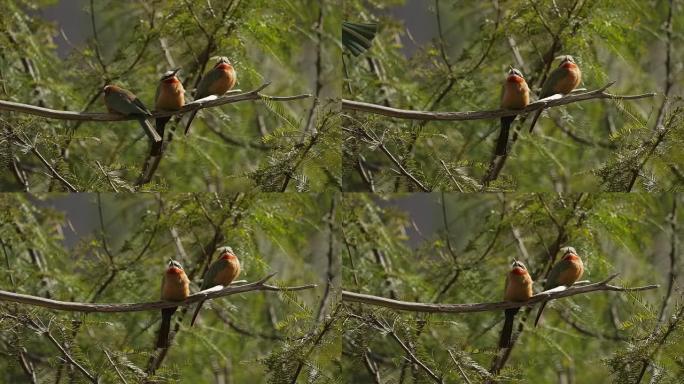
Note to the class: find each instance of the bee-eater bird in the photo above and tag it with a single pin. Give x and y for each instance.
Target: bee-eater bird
(170, 97)
(518, 288)
(221, 272)
(175, 287)
(568, 270)
(562, 80)
(515, 95)
(217, 81)
(123, 102)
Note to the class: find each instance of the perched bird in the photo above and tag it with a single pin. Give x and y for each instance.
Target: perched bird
(562, 80)
(518, 288)
(175, 287)
(170, 97)
(515, 95)
(123, 102)
(221, 272)
(217, 81)
(568, 270)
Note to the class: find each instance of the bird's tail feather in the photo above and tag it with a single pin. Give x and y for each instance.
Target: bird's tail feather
(194, 315)
(502, 141)
(534, 120)
(505, 340)
(192, 116)
(149, 130)
(539, 313)
(160, 123)
(165, 328)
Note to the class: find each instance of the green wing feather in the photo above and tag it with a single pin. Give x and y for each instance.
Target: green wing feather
(203, 86)
(552, 281)
(213, 270)
(156, 94)
(141, 107)
(124, 105)
(356, 37)
(557, 75)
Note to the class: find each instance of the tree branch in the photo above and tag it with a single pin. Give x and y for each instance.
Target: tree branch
(207, 294)
(552, 101)
(485, 307)
(207, 102)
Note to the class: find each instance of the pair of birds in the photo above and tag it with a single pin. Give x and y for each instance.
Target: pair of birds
(170, 97)
(176, 287)
(516, 94)
(519, 287)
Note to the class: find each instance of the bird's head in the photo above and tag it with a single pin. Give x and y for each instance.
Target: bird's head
(569, 253)
(223, 63)
(518, 268)
(109, 88)
(225, 252)
(567, 61)
(170, 76)
(514, 76)
(174, 267)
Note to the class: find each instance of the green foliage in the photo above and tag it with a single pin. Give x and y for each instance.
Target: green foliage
(456, 249)
(135, 43)
(452, 56)
(118, 257)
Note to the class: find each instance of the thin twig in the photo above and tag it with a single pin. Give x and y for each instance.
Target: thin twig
(46, 332)
(47, 164)
(111, 184)
(330, 276)
(116, 368)
(408, 351)
(463, 374)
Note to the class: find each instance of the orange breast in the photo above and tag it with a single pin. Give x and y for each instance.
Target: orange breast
(228, 274)
(225, 83)
(515, 95)
(171, 97)
(518, 287)
(569, 82)
(175, 287)
(572, 274)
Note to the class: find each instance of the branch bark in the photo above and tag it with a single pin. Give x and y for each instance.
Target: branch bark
(486, 307)
(207, 294)
(207, 102)
(552, 101)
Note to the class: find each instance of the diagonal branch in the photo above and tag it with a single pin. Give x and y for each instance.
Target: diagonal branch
(485, 307)
(552, 101)
(208, 294)
(46, 332)
(207, 102)
(47, 164)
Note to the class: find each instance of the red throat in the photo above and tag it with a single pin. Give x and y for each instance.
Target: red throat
(174, 271)
(571, 257)
(224, 66)
(227, 256)
(569, 65)
(171, 80)
(515, 79)
(518, 271)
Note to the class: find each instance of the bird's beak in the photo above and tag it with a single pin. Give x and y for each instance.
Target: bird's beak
(175, 71)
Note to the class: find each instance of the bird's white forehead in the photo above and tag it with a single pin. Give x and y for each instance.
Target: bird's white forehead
(568, 250)
(224, 249)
